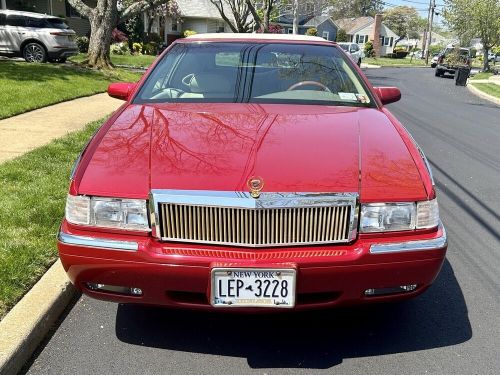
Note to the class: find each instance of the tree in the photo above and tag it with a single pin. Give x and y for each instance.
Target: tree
(355, 8)
(241, 22)
(404, 21)
(103, 18)
(475, 18)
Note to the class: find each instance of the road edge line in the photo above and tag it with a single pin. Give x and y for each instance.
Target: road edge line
(26, 325)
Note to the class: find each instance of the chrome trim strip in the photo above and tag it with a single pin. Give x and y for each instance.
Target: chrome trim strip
(99, 243)
(239, 199)
(420, 245)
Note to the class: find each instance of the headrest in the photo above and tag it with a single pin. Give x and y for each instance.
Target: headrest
(203, 83)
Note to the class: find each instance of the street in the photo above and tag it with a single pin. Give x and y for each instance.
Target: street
(454, 328)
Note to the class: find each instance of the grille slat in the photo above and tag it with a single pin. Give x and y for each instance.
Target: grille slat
(254, 226)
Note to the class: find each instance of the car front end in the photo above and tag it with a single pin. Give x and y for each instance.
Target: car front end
(184, 200)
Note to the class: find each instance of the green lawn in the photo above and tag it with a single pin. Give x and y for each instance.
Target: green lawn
(136, 61)
(482, 75)
(489, 88)
(384, 61)
(32, 197)
(30, 86)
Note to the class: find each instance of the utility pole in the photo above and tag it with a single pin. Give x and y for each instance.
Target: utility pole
(432, 6)
(295, 23)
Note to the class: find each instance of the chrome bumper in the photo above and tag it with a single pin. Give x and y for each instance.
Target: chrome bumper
(99, 243)
(419, 245)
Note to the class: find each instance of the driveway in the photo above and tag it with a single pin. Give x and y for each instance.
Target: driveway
(454, 328)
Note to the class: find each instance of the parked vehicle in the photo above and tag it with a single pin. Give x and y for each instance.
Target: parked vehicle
(443, 66)
(493, 57)
(35, 37)
(434, 60)
(252, 171)
(353, 50)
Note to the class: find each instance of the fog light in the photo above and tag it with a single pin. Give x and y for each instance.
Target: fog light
(114, 289)
(390, 290)
(136, 291)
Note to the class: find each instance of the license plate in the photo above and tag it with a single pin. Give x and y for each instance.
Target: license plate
(253, 287)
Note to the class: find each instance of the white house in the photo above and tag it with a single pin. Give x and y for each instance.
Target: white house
(363, 29)
(200, 16)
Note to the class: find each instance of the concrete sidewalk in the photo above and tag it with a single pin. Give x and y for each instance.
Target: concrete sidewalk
(25, 132)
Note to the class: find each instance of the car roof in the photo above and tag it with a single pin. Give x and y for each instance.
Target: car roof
(256, 36)
(27, 14)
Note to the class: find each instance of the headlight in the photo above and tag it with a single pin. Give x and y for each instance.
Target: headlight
(129, 214)
(389, 217)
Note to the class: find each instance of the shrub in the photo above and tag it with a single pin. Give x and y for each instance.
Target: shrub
(369, 52)
(118, 36)
(341, 36)
(120, 48)
(150, 48)
(137, 48)
(83, 44)
(189, 33)
(312, 31)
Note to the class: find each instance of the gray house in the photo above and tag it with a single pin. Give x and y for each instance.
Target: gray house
(325, 26)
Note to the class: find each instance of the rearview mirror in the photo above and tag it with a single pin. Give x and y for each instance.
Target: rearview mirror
(121, 90)
(388, 94)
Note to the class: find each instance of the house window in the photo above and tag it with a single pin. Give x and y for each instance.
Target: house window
(220, 27)
(290, 31)
(326, 35)
(70, 11)
(360, 39)
(386, 41)
(174, 25)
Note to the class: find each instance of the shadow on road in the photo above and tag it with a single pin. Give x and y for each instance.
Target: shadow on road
(307, 340)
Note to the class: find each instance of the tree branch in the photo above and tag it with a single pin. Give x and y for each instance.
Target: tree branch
(138, 7)
(81, 7)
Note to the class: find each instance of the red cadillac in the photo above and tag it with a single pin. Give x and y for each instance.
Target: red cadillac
(251, 172)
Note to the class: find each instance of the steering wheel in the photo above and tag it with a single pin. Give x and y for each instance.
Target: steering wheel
(187, 79)
(309, 83)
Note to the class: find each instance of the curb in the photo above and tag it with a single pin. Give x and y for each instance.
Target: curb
(25, 326)
(477, 92)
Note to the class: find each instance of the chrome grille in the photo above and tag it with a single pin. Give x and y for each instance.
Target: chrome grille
(274, 219)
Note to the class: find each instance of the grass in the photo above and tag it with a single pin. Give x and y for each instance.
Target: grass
(385, 61)
(489, 88)
(482, 75)
(30, 86)
(136, 61)
(32, 199)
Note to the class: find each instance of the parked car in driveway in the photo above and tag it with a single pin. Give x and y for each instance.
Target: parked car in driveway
(353, 50)
(35, 37)
(493, 57)
(444, 66)
(250, 172)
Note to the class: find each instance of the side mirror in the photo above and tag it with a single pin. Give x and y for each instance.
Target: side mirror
(121, 90)
(388, 94)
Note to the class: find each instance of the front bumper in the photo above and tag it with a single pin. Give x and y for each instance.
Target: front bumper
(178, 275)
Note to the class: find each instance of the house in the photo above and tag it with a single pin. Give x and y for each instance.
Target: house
(57, 8)
(363, 29)
(324, 25)
(200, 16)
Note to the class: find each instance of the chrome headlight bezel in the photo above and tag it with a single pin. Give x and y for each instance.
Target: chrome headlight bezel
(398, 216)
(112, 213)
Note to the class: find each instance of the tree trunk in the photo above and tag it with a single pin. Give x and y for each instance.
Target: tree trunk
(486, 63)
(102, 22)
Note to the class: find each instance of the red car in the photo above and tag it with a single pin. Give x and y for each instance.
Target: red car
(252, 172)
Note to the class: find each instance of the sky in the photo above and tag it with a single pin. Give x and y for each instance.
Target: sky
(421, 5)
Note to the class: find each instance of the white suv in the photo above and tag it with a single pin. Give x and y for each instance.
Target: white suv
(36, 37)
(353, 50)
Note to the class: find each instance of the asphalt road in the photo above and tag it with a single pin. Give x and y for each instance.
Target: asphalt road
(454, 328)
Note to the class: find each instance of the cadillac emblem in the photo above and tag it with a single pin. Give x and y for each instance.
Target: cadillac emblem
(256, 184)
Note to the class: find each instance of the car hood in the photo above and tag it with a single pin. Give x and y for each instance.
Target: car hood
(220, 146)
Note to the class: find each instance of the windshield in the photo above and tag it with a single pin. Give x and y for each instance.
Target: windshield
(345, 47)
(254, 73)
